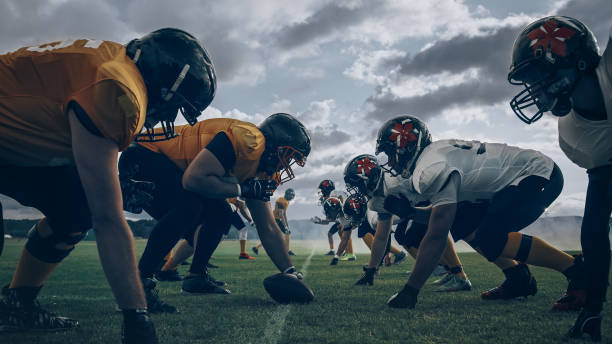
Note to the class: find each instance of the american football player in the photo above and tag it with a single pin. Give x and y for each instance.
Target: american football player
(363, 175)
(196, 171)
(332, 207)
(556, 59)
(518, 185)
(66, 110)
(280, 216)
(239, 206)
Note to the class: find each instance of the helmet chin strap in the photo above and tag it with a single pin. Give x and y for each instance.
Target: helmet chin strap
(177, 82)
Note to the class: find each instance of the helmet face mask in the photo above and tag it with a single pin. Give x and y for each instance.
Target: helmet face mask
(548, 58)
(287, 157)
(289, 194)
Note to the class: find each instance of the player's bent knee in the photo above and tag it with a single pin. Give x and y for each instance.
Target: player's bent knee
(53, 248)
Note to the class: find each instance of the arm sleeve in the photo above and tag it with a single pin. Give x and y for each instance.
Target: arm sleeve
(223, 150)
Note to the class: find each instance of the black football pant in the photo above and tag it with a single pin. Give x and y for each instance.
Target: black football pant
(177, 211)
(594, 235)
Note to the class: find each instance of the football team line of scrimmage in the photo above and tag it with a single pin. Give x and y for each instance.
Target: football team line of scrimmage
(68, 108)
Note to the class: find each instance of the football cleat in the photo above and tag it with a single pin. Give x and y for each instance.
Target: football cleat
(137, 328)
(349, 257)
(19, 311)
(575, 296)
(245, 256)
(202, 284)
(168, 275)
(519, 283)
(405, 298)
(438, 271)
(455, 283)
(441, 281)
(154, 303)
(291, 253)
(588, 322)
(572, 300)
(255, 250)
(334, 261)
(330, 253)
(211, 266)
(400, 257)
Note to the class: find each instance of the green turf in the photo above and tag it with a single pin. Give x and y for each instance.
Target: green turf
(341, 313)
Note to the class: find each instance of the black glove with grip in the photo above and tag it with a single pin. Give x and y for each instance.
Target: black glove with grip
(260, 189)
(137, 328)
(368, 276)
(405, 298)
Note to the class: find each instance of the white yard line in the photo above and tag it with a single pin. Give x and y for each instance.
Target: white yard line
(274, 330)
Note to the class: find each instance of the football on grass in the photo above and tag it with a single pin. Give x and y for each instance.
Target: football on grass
(287, 288)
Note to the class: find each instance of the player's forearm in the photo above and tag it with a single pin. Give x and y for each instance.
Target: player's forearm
(209, 186)
(118, 258)
(379, 245)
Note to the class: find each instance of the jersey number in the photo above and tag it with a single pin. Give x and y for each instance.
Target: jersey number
(94, 44)
(468, 145)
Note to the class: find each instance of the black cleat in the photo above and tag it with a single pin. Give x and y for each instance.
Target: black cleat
(201, 284)
(255, 250)
(519, 283)
(330, 253)
(19, 311)
(211, 266)
(154, 303)
(291, 253)
(588, 322)
(168, 276)
(137, 328)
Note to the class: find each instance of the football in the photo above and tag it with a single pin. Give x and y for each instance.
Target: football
(287, 288)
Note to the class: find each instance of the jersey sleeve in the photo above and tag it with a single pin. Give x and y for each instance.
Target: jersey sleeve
(429, 180)
(113, 109)
(221, 147)
(377, 204)
(448, 193)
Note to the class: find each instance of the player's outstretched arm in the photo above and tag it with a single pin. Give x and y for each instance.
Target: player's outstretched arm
(433, 243)
(96, 161)
(379, 245)
(270, 235)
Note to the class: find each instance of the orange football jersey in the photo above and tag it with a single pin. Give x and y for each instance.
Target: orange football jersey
(280, 207)
(248, 143)
(37, 84)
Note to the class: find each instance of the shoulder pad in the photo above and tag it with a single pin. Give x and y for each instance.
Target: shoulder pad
(428, 180)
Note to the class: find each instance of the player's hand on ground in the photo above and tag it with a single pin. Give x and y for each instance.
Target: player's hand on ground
(367, 277)
(405, 298)
(387, 260)
(260, 189)
(334, 261)
(136, 195)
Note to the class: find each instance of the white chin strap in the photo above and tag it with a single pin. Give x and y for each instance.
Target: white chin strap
(177, 82)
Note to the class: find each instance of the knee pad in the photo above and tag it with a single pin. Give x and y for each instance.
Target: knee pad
(45, 248)
(525, 247)
(242, 234)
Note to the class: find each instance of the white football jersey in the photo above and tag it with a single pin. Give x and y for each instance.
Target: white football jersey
(589, 143)
(376, 201)
(484, 168)
(372, 218)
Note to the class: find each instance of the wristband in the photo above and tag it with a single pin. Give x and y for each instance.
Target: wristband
(289, 270)
(238, 190)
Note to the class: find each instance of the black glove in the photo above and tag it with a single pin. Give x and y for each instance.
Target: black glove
(136, 194)
(137, 328)
(405, 298)
(260, 189)
(368, 276)
(399, 206)
(334, 261)
(293, 271)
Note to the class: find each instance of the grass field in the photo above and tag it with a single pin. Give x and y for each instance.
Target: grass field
(341, 313)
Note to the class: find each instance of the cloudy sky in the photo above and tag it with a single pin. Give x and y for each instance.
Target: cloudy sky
(342, 67)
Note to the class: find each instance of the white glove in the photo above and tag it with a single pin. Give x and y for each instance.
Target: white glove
(316, 219)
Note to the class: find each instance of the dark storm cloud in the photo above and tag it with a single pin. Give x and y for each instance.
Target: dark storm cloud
(329, 19)
(328, 137)
(490, 54)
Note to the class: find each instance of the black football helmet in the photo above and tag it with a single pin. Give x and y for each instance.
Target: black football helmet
(332, 208)
(402, 139)
(548, 58)
(289, 194)
(179, 77)
(362, 174)
(325, 189)
(355, 208)
(287, 143)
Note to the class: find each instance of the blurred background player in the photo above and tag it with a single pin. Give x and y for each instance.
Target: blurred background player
(557, 60)
(324, 191)
(239, 206)
(280, 216)
(66, 110)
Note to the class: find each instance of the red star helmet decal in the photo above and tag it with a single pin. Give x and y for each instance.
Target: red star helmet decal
(550, 35)
(364, 166)
(354, 204)
(325, 183)
(402, 134)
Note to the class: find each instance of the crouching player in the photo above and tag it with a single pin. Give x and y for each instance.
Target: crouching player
(197, 170)
(517, 184)
(280, 216)
(66, 110)
(364, 176)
